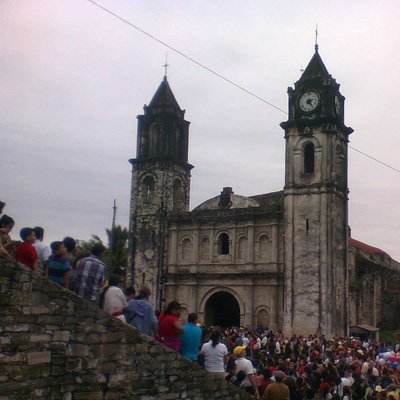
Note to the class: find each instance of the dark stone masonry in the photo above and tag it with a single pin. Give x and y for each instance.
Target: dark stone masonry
(55, 345)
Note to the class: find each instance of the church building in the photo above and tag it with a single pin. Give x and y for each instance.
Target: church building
(282, 260)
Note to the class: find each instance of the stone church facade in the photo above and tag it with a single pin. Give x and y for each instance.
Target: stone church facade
(279, 259)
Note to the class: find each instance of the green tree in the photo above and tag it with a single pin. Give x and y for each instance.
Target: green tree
(87, 245)
(117, 256)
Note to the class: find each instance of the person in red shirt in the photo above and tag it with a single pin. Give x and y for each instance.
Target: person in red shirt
(170, 327)
(265, 381)
(26, 253)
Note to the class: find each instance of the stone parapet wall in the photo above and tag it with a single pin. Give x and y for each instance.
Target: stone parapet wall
(55, 345)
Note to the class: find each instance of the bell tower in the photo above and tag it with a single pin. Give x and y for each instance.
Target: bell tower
(160, 186)
(316, 195)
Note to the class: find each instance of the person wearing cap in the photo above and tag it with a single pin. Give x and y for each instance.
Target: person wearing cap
(393, 395)
(243, 364)
(277, 390)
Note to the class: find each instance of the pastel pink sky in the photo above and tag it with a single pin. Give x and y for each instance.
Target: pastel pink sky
(74, 78)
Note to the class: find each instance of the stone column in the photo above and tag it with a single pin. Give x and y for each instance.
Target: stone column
(249, 292)
(195, 244)
(233, 243)
(250, 242)
(173, 245)
(213, 250)
(275, 243)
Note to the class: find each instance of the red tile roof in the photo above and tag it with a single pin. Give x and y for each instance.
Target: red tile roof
(367, 248)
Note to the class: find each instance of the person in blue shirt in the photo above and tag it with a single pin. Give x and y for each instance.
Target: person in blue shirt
(140, 313)
(191, 338)
(57, 267)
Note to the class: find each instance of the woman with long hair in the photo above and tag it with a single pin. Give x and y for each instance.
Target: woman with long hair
(215, 354)
(7, 247)
(170, 327)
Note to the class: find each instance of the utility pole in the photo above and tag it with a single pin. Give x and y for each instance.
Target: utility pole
(114, 214)
(113, 223)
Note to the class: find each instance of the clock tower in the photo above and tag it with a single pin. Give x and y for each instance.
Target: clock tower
(316, 194)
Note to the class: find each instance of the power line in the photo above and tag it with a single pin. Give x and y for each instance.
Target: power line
(375, 159)
(188, 58)
(219, 75)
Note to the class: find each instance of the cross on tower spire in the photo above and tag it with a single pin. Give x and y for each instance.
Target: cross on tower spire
(166, 65)
(316, 38)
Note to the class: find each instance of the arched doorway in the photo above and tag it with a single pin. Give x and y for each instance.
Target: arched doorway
(222, 309)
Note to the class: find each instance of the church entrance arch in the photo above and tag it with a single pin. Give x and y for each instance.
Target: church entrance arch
(222, 309)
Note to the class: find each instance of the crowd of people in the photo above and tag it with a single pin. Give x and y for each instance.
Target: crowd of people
(262, 362)
(266, 363)
(272, 367)
(61, 262)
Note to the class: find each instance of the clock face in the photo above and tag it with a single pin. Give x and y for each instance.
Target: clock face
(337, 104)
(309, 101)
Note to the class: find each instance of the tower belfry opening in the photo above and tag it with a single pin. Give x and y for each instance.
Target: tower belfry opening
(309, 156)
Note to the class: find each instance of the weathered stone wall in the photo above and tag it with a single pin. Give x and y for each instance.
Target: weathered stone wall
(55, 345)
(251, 272)
(159, 188)
(374, 290)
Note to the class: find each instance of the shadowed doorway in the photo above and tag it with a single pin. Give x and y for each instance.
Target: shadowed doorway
(222, 309)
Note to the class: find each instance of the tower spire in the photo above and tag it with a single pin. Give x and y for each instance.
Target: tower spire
(316, 38)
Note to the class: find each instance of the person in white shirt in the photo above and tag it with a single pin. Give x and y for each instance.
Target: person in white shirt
(243, 364)
(264, 341)
(43, 250)
(215, 354)
(346, 380)
(277, 347)
(113, 300)
(245, 341)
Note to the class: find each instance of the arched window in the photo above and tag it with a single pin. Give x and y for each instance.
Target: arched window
(264, 247)
(263, 318)
(153, 140)
(340, 166)
(177, 196)
(178, 144)
(309, 158)
(205, 250)
(184, 313)
(186, 250)
(223, 243)
(242, 248)
(148, 189)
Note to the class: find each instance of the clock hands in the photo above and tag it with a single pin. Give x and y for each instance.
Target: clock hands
(309, 101)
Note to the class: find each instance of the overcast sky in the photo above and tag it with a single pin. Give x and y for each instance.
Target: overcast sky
(73, 78)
